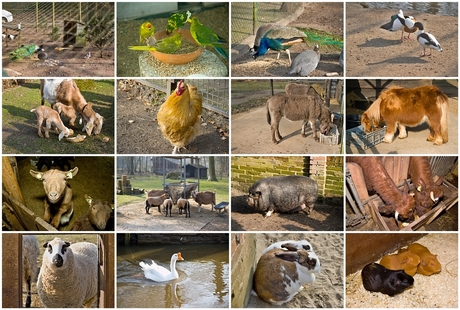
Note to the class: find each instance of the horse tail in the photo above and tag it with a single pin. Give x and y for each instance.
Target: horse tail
(443, 104)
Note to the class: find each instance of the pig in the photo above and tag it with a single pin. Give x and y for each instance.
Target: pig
(283, 194)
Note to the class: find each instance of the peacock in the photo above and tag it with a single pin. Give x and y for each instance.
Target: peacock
(25, 51)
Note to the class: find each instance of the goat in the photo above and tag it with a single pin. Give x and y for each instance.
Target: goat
(204, 198)
(154, 202)
(50, 117)
(58, 202)
(168, 204)
(397, 203)
(96, 218)
(427, 191)
(183, 205)
(401, 107)
(67, 92)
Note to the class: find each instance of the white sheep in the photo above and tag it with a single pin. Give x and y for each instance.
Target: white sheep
(68, 277)
(30, 253)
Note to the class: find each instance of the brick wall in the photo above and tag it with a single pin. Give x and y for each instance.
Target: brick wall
(243, 252)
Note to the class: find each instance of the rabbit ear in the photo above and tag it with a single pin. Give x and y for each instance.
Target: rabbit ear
(288, 256)
(289, 246)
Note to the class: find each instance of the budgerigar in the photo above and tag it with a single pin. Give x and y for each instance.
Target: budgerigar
(177, 20)
(146, 30)
(167, 45)
(205, 36)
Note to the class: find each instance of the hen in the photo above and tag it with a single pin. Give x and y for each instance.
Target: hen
(179, 116)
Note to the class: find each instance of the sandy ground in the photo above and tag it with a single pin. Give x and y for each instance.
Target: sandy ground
(371, 51)
(326, 17)
(132, 217)
(435, 291)
(327, 290)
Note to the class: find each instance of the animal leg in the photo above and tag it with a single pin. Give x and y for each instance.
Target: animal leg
(39, 125)
(313, 128)
(159, 209)
(47, 215)
(275, 130)
(175, 150)
(289, 56)
(435, 132)
(390, 132)
(402, 131)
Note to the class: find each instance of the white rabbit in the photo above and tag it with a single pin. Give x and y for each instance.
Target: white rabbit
(283, 269)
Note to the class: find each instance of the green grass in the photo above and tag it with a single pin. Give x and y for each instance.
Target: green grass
(148, 183)
(20, 125)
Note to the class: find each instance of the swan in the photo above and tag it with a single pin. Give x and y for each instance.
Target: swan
(161, 274)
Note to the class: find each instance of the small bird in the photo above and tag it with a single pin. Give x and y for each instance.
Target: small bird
(179, 116)
(146, 30)
(306, 62)
(88, 55)
(60, 49)
(168, 45)
(25, 51)
(177, 20)
(401, 22)
(206, 37)
(278, 38)
(426, 40)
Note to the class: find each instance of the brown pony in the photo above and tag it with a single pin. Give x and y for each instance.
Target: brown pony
(401, 107)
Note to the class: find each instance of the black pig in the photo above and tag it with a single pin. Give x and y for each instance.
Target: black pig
(284, 194)
(377, 278)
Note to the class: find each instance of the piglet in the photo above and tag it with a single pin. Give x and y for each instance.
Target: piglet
(377, 278)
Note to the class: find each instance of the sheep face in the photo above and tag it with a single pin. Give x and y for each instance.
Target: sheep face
(56, 253)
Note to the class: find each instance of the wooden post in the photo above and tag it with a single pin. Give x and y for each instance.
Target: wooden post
(10, 182)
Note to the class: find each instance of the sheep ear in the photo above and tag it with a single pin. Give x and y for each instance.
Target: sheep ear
(45, 245)
(288, 256)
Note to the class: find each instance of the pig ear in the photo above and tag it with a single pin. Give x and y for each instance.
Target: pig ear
(288, 256)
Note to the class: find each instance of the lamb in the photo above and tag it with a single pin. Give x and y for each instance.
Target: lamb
(204, 198)
(68, 277)
(154, 202)
(58, 202)
(30, 253)
(183, 204)
(50, 117)
(168, 204)
(67, 92)
(96, 218)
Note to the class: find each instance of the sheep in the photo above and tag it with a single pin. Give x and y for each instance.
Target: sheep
(67, 92)
(168, 204)
(204, 198)
(68, 276)
(154, 202)
(183, 204)
(96, 218)
(30, 253)
(51, 117)
(58, 202)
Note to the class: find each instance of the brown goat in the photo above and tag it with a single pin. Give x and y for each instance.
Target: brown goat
(204, 198)
(50, 117)
(401, 107)
(397, 203)
(58, 202)
(427, 191)
(154, 202)
(429, 263)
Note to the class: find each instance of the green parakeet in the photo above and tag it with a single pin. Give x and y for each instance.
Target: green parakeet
(205, 36)
(146, 30)
(167, 45)
(177, 20)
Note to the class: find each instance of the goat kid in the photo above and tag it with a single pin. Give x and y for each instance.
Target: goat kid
(50, 117)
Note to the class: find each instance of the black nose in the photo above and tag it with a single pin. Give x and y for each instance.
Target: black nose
(57, 260)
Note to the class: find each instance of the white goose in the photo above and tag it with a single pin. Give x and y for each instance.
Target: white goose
(426, 40)
(159, 273)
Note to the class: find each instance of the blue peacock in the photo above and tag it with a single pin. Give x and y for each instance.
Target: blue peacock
(25, 51)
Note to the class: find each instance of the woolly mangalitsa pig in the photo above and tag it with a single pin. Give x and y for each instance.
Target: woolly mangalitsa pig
(283, 194)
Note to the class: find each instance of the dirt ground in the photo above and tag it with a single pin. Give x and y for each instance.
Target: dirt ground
(138, 132)
(67, 63)
(326, 216)
(326, 17)
(371, 51)
(132, 217)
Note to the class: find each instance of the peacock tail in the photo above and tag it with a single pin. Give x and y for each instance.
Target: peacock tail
(323, 38)
(24, 51)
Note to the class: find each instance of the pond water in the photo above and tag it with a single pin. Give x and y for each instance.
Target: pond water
(437, 8)
(203, 277)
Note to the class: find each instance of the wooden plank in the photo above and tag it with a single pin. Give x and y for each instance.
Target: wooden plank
(11, 271)
(10, 182)
(358, 180)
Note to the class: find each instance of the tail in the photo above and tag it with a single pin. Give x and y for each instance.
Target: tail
(269, 119)
(443, 103)
(222, 51)
(33, 110)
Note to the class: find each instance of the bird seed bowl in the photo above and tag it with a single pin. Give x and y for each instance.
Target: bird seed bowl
(177, 59)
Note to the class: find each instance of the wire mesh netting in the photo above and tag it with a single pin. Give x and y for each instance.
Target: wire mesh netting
(243, 22)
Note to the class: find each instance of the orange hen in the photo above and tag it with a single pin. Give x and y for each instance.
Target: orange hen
(179, 116)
